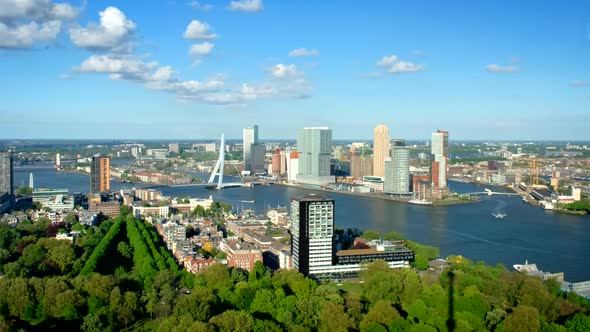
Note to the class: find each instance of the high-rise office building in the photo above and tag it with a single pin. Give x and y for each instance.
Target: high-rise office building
(380, 149)
(312, 230)
(6, 173)
(440, 153)
(100, 174)
(314, 145)
(257, 153)
(250, 137)
(397, 169)
(361, 166)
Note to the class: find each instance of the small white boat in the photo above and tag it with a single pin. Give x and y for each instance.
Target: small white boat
(420, 202)
(499, 215)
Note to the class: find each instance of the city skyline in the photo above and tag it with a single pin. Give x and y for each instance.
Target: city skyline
(106, 70)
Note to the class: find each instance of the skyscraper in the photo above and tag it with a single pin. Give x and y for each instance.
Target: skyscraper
(380, 149)
(440, 153)
(6, 173)
(397, 169)
(314, 145)
(312, 230)
(100, 174)
(250, 136)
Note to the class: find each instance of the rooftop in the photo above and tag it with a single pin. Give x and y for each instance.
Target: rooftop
(311, 197)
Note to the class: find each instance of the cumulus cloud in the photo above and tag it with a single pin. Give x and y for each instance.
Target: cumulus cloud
(579, 83)
(113, 32)
(25, 35)
(26, 22)
(396, 66)
(151, 74)
(495, 68)
(200, 6)
(36, 10)
(251, 6)
(283, 71)
(198, 30)
(300, 52)
(202, 49)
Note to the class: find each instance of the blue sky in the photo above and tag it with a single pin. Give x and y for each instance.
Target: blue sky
(185, 69)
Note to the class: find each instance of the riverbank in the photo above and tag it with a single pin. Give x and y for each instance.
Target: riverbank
(378, 195)
(446, 202)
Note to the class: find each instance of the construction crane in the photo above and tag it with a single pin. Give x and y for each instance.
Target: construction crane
(534, 172)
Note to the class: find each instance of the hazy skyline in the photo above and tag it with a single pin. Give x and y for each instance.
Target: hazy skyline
(191, 70)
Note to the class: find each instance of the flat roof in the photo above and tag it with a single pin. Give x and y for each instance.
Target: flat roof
(312, 197)
(369, 251)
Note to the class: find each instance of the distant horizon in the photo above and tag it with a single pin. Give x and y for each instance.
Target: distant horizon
(189, 140)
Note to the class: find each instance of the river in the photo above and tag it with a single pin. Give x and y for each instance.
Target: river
(555, 242)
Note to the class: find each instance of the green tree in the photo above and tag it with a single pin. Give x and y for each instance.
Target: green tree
(370, 235)
(233, 320)
(579, 322)
(522, 319)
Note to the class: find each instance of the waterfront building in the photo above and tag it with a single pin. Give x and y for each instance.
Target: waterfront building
(397, 169)
(380, 149)
(100, 174)
(283, 163)
(250, 137)
(440, 153)
(7, 173)
(276, 162)
(312, 242)
(258, 151)
(312, 232)
(361, 166)
(292, 166)
(314, 145)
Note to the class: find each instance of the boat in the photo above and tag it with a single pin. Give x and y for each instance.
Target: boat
(532, 270)
(420, 202)
(499, 215)
(252, 201)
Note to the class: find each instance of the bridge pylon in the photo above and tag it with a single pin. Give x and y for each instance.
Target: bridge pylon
(218, 170)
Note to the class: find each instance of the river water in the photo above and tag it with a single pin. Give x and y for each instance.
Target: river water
(555, 242)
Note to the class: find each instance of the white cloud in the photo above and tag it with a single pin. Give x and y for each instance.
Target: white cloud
(396, 66)
(247, 5)
(283, 81)
(387, 61)
(300, 52)
(25, 22)
(201, 50)
(112, 33)
(151, 75)
(36, 10)
(25, 35)
(494, 68)
(579, 83)
(283, 71)
(198, 30)
(200, 6)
